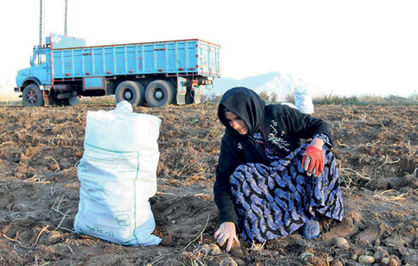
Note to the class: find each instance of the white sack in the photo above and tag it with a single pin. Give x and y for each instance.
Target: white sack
(303, 100)
(118, 175)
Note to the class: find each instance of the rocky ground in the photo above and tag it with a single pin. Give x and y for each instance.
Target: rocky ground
(40, 148)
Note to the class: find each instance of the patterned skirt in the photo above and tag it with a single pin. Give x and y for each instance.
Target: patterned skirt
(277, 199)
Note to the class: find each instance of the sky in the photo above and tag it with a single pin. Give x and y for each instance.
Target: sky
(356, 47)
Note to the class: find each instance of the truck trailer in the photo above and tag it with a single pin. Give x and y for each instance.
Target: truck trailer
(148, 73)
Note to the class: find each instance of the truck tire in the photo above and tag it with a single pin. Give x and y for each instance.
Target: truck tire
(159, 93)
(130, 91)
(32, 96)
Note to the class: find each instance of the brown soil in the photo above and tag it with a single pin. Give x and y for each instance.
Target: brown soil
(40, 149)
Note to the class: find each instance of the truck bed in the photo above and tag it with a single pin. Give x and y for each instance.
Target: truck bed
(179, 57)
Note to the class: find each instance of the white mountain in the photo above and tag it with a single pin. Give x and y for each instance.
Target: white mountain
(273, 82)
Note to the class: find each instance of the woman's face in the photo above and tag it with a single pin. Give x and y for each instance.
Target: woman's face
(236, 123)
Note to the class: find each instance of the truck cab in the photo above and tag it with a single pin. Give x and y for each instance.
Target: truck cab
(40, 68)
(36, 82)
(31, 81)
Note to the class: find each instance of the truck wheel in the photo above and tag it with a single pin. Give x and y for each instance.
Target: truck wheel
(159, 93)
(130, 91)
(32, 96)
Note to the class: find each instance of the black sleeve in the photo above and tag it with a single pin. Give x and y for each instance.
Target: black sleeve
(228, 161)
(303, 125)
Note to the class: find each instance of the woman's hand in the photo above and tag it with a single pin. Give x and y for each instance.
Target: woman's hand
(313, 159)
(226, 233)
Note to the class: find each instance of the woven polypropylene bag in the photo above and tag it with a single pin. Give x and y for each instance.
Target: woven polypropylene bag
(117, 176)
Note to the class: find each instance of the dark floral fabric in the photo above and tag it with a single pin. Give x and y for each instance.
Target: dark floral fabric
(276, 199)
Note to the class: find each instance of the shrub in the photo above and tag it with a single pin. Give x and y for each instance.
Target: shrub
(366, 99)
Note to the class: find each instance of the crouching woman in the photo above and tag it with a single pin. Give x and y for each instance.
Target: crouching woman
(269, 185)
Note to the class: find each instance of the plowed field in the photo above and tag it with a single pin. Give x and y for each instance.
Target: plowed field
(40, 148)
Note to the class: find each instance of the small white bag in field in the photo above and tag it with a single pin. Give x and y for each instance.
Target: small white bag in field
(303, 100)
(117, 176)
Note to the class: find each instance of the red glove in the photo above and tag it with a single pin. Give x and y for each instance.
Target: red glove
(314, 160)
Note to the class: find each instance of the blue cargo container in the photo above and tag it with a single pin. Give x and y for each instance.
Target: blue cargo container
(152, 73)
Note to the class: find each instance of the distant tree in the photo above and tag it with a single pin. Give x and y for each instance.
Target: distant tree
(265, 96)
(212, 98)
(290, 98)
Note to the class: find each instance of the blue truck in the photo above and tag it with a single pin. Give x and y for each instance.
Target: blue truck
(149, 73)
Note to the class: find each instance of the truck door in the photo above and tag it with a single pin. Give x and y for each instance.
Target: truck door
(41, 66)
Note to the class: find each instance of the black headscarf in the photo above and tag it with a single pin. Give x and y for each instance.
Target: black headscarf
(246, 104)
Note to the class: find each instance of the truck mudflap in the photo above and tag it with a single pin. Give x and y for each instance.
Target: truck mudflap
(198, 93)
(181, 90)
